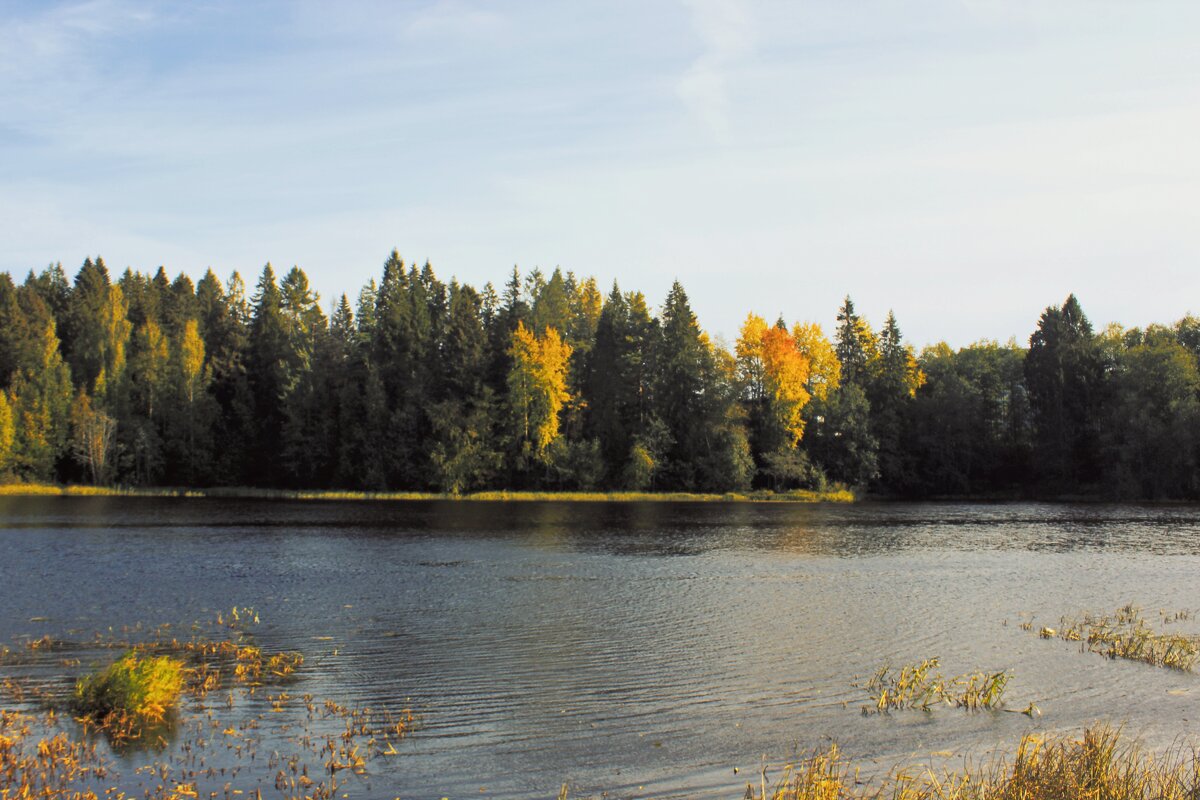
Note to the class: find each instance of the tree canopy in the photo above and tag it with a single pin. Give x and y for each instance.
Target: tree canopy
(547, 383)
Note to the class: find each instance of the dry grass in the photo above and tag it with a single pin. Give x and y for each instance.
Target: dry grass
(1098, 766)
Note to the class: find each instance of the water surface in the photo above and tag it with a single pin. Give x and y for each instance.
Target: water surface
(640, 649)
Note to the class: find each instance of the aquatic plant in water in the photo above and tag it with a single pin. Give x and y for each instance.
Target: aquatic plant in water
(130, 699)
(921, 686)
(1127, 634)
(130, 693)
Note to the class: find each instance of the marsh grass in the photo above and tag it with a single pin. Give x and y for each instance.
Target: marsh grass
(796, 496)
(921, 686)
(1127, 634)
(1098, 766)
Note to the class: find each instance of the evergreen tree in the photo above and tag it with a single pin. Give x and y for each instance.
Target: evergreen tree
(893, 382)
(969, 424)
(15, 334)
(40, 399)
(306, 445)
(840, 439)
(857, 348)
(679, 393)
(1064, 373)
(463, 448)
(697, 403)
(270, 374)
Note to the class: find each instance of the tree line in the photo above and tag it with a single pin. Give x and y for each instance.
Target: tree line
(550, 384)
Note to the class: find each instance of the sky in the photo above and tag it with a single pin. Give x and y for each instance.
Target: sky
(965, 163)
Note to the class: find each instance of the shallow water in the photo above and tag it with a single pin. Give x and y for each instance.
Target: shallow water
(638, 649)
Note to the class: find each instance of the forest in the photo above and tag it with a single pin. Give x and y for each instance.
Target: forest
(551, 384)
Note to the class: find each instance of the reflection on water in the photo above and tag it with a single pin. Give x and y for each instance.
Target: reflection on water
(618, 646)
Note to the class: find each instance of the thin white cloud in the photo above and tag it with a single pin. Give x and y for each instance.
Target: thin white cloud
(725, 29)
(38, 45)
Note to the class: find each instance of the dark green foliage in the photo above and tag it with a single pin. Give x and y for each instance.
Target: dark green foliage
(1065, 374)
(620, 392)
(856, 346)
(839, 437)
(892, 383)
(1152, 424)
(969, 431)
(269, 371)
(696, 400)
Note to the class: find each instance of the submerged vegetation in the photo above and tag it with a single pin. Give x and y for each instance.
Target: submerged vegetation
(547, 385)
(921, 686)
(1127, 634)
(1097, 765)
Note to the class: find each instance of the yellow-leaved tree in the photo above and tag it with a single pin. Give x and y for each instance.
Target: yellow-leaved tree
(537, 390)
(773, 375)
(8, 431)
(824, 369)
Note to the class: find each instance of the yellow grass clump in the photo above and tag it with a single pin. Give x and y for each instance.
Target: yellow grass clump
(132, 692)
(1098, 766)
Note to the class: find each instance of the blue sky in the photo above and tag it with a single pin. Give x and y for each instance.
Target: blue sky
(964, 163)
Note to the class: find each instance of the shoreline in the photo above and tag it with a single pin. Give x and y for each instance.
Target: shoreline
(249, 493)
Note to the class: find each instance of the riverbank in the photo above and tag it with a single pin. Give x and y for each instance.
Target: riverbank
(249, 493)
